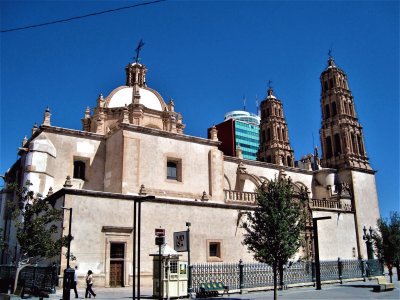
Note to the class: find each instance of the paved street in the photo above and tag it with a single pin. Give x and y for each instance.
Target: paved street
(353, 290)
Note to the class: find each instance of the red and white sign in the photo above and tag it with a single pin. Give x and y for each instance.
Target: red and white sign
(159, 232)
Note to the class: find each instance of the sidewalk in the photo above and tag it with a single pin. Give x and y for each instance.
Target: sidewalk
(351, 290)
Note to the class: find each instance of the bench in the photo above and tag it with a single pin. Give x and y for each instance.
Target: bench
(383, 285)
(211, 289)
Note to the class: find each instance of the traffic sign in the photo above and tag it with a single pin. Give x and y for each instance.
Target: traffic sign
(159, 232)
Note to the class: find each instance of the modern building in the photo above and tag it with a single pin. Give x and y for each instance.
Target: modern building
(240, 129)
(133, 144)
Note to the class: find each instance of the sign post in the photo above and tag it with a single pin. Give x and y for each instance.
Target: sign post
(182, 244)
(160, 240)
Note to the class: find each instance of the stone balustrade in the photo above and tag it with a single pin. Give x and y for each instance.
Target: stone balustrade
(240, 197)
(330, 204)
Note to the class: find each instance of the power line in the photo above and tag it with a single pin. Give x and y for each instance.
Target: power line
(84, 16)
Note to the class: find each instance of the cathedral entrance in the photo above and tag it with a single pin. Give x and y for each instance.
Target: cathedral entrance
(117, 256)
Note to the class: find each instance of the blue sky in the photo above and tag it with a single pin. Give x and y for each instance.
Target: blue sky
(207, 55)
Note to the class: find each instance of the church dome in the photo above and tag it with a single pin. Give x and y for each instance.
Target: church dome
(124, 96)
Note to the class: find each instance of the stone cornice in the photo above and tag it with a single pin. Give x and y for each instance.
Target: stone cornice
(162, 133)
(266, 165)
(117, 196)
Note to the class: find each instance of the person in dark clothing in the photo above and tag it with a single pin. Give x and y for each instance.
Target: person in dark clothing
(89, 284)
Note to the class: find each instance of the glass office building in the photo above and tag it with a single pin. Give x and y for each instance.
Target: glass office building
(240, 128)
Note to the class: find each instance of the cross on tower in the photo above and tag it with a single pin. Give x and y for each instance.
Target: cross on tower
(138, 48)
(269, 84)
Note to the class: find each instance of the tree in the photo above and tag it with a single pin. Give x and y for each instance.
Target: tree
(37, 222)
(273, 230)
(387, 241)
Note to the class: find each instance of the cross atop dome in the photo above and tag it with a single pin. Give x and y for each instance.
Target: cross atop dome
(137, 50)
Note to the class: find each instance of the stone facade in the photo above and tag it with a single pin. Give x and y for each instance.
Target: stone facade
(133, 141)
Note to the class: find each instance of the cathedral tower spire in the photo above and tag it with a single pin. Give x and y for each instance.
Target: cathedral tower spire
(274, 137)
(342, 139)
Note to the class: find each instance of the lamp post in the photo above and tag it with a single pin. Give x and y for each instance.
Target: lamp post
(68, 278)
(188, 224)
(316, 249)
(367, 237)
(137, 215)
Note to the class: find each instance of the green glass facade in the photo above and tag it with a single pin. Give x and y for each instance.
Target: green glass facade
(247, 136)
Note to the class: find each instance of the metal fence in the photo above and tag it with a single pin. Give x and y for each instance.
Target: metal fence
(254, 275)
(43, 278)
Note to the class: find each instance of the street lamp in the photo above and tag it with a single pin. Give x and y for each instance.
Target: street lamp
(137, 215)
(367, 237)
(316, 249)
(188, 224)
(68, 272)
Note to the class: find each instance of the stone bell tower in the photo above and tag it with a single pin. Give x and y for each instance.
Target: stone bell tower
(341, 134)
(274, 137)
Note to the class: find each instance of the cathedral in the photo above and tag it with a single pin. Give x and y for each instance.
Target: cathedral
(133, 144)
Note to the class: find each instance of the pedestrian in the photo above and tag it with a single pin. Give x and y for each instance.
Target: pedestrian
(76, 281)
(89, 284)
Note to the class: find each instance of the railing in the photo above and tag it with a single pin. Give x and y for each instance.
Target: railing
(257, 275)
(329, 204)
(43, 278)
(240, 197)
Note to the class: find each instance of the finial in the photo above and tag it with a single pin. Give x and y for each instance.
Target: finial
(138, 48)
(270, 90)
(50, 192)
(68, 183)
(87, 113)
(214, 133)
(125, 115)
(24, 141)
(142, 190)
(100, 101)
(204, 197)
(331, 62)
(34, 128)
(171, 104)
(239, 152)
(46, 119)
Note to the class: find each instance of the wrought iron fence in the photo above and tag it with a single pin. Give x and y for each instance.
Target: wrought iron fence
(228, 273)
(374, 267)
(252, 275)
(44, 278)
(298, 272)
(257, 275)
(352, 268)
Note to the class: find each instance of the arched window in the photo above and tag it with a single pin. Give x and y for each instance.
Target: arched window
(328, 143)
(283, 135)
(338, 148)
(334, 112)
(360, 145)
(325, 85)
(79, 169)
(268, 134)
(289, 161)
(268, 159)
(353, 144)
(279, 134)
(327, 111)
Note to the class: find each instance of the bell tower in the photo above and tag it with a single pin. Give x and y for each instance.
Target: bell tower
(274, 136)
(341, 134)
